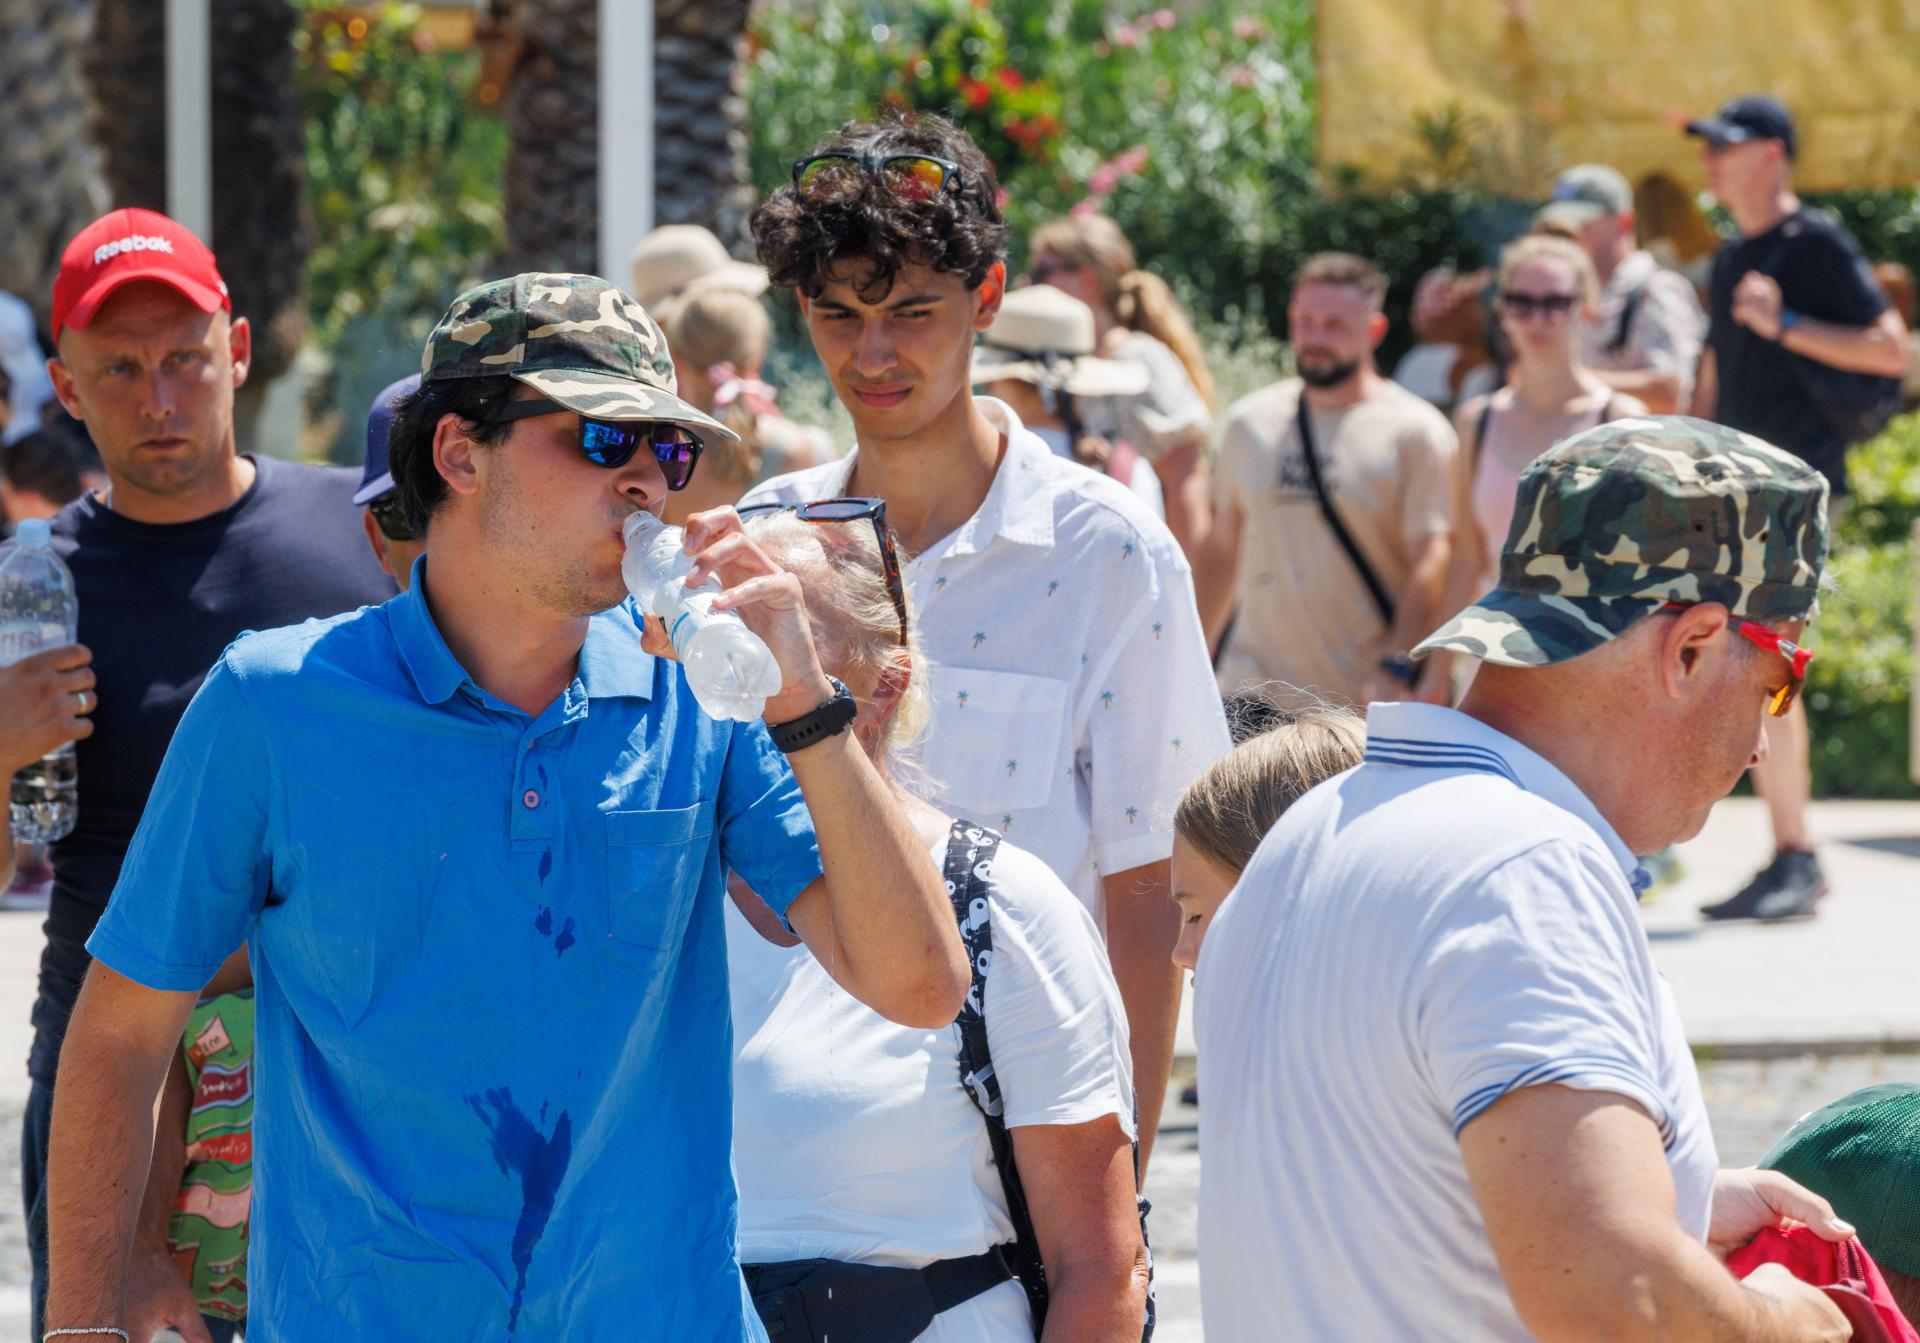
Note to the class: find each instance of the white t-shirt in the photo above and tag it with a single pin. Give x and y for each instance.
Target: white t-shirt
(853, 1138)
(1145, 481)
(1073, 697)
(1445, 923)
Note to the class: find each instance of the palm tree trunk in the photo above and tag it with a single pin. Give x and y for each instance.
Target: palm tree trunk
(700, 143)
(700, 117)
(262, 229)
(50, 172)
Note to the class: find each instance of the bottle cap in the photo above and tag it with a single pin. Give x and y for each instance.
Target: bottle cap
(34, 534)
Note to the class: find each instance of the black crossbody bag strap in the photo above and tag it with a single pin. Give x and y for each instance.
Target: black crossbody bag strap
(970, 853)
(1375, 588)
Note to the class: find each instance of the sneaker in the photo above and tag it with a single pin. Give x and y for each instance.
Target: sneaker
(1786, 888)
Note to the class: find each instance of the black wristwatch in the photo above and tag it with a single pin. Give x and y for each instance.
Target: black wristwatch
(829, 720)
(1401, 668)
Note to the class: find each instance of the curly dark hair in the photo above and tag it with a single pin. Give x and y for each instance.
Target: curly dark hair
(804, 240)
(420, 487)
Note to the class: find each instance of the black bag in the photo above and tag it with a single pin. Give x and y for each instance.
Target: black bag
(1857, 405)
(811, 1300)
(1375, 588)
(970, 852)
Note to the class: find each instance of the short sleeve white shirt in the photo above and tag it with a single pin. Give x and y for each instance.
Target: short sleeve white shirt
(1073, 696)
(853, 1138)
(1416, 938)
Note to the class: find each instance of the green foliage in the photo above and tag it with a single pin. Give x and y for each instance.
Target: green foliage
(1859, 687)
(404, 175)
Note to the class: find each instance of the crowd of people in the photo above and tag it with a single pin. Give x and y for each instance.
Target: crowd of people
(410, 879)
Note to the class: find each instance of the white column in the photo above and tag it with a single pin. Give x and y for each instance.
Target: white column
(626, 132)
(190, 116)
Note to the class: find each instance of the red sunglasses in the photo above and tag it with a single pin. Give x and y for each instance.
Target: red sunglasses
(1772, 640)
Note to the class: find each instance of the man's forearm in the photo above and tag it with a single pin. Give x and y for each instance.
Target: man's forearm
(891, 926)
(1869, 349)
(1143, 924)
(1095, 1302)
(102, 1138)
(1417, 605)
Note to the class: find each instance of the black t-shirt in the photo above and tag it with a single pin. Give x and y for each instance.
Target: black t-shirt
(158, 605)
(1823, 275)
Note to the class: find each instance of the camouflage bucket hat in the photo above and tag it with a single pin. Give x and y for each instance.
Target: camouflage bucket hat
(1613, 523)
(576, 339)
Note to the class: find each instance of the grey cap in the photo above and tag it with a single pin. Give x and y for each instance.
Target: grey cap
(1583, 193)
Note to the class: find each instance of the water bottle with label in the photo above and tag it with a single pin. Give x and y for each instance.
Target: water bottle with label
(729, 668)
(38, 612)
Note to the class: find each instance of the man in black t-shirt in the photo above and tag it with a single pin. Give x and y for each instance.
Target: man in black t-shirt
(191, 544)
(1792, 298)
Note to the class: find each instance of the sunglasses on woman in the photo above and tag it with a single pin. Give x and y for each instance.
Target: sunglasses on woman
(612, 443)
(851, 510)
(1547, 305)
(1781, 700)
(914, 177)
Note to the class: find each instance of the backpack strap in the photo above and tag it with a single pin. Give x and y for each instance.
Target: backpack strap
(970, 853)
(1629, 308)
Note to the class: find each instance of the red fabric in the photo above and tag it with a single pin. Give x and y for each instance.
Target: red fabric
(1845, 1271)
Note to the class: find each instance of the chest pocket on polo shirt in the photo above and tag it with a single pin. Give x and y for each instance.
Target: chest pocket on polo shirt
(996, 744)
(654, 863)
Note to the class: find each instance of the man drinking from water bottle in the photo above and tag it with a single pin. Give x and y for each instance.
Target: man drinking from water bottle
(548, 857)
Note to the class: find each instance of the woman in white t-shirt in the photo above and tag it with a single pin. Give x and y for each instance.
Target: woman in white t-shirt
(854, 1139)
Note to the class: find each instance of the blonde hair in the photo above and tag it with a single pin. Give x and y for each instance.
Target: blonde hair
(1141, 301)
(711, 326)
(1227, 811)
(1551, 247)
(855, 625)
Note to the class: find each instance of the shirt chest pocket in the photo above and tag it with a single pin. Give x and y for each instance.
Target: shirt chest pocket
(997, 740)
(655, 860)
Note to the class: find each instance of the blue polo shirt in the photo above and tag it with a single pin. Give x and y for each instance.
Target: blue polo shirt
(493, 1045)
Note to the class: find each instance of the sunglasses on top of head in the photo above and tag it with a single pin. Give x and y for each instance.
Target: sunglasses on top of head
(851, 510)
(612, 443)
(915, 177)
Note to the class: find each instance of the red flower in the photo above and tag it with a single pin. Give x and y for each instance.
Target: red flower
(978, 95)
(1010, 78)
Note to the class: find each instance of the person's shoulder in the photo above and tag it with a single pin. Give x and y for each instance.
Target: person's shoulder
(1092, 510)
(311, 649)
(1403, 409)
(1044, 920)
(1265, 405)
(304, 480)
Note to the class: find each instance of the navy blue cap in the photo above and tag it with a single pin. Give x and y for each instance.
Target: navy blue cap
(376, 479)
(1753, 116)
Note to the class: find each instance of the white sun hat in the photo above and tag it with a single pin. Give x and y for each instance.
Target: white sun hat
(1044, 336)
(677, 257)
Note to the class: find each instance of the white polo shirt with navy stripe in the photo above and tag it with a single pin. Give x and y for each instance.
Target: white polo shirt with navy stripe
(1422, 935)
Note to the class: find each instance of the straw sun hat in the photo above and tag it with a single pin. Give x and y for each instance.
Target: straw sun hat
(1044, 336)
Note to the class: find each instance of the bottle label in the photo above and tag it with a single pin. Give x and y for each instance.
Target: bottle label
(23, 638)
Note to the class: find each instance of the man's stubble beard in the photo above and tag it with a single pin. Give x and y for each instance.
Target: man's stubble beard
(1329, 375)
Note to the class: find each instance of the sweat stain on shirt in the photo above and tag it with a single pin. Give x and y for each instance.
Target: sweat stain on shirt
(538, 1160)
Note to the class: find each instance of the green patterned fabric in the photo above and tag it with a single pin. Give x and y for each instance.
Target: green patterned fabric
(1612, 523)
(210, 1220)
(574, 338)
(1862, 1154)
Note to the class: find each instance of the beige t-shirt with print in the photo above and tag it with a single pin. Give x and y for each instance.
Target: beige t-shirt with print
(1305, 617)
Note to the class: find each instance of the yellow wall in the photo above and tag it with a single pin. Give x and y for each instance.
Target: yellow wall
(1531, 86)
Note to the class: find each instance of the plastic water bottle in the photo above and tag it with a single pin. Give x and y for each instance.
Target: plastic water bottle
(38, 612)
(729, 668)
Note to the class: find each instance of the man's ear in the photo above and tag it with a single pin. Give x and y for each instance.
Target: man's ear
(454, 456)
(240, 345)
(1687, 648)
(63, 386)
(1376, 330)
(991, 291)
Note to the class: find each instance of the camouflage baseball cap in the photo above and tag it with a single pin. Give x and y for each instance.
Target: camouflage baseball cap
(575, 338)
(1613, 523)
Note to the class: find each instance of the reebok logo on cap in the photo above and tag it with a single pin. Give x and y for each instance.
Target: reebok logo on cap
(127, 245)
(132, 243)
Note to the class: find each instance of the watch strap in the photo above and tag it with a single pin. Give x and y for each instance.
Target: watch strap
(829, 720)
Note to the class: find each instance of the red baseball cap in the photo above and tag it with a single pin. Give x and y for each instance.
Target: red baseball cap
(127, 245)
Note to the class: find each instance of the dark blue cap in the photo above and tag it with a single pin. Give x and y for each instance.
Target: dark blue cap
(1753, 116)
(375, 479)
